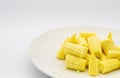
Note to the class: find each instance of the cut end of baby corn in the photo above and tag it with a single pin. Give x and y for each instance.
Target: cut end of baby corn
(109, 65)
(73, 38)
(82, 41)
(109, 35)
(88, 57)
(107, 45)
(75, 63)
(95, 46)
(113, 54)
(87, 34)
(93, 69)
(75, 49)
(60, 53)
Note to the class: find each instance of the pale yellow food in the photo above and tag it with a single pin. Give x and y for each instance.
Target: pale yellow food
(93, 66)
(107, 45)
(75, 49)
(113, 54)
(75, 63)
(118, 48)
(60, 53)
(95, 46)
(82, 41)
(109, 35)
(88, 56)
(109, 65)
(73, 38)
(87, 34)
(86, 51)
(103, 57)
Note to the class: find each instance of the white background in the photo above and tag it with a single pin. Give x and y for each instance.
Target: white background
(21, 21)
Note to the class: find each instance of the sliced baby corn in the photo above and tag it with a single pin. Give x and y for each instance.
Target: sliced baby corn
(108, 44)
(75, 49)
(93, 66)
(109, 65)
(109, 35)
(75, 63)
(87, 34)
(95, 46)
(85, 50)
(103, 57)
(88, 57)
(118, 48)
(60, 53)
(82, 41)
(113, 54)
(73, 38)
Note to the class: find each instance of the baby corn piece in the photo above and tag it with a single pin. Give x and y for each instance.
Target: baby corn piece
(113, 54)
(95, 46)
(75, 63)
(73, 38)
(109, 35)
(60, 53)
(87, 34)
(82, 41)
(75, 49)
(103, 57)
(118, 48)
(109, 65)
(93, 66)
(88, 56)
(108, 44)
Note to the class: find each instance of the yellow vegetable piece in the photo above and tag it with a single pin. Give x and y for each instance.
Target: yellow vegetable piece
(108, 44)
(109, 65)
(87, 34)
(73, 38)
(93, 66)
(75, 63)
(113, 54)
(82, 41)
(95, 46)
(60, 53)
(118, 48)
(75, 49)
(103, 57)
(109, 35)
(88, 56)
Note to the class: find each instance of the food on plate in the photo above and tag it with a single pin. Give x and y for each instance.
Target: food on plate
(86, 51)
(75, 63)
(109, 65)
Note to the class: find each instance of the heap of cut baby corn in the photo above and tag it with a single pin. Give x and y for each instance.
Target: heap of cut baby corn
(85, 50)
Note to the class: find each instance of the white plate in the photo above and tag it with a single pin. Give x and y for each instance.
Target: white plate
(44, 48)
